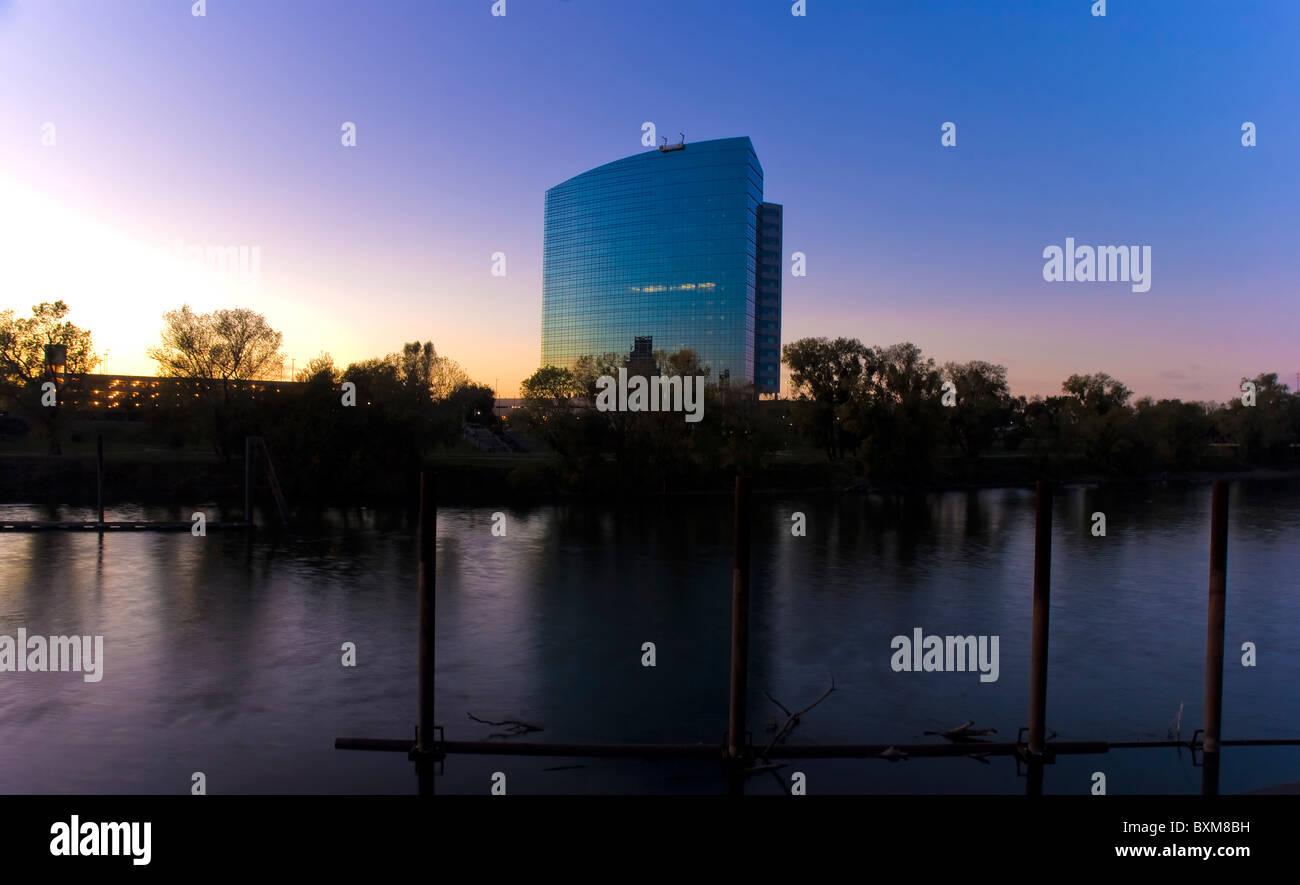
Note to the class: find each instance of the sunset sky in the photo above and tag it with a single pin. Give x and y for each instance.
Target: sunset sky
(225, 130)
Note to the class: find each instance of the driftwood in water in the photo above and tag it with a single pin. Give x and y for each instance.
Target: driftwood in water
(791, 720)
(514, 727)
(963, 732)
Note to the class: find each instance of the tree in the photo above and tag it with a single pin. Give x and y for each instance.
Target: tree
(322, 366)
(222, 347)
(23, 340)
(415, 366)
(1263, 432)
(1171, 434)
(825, 376)
(376, 379)
(983, 404)
(899, 415)
(1100, 419)
(1098, 393)
(551, 384)
(587, 369)
(473, 403)
(424, 373)
(447, 376)
(904, 374)
(22, 357)
(548, 408)
(225, 346)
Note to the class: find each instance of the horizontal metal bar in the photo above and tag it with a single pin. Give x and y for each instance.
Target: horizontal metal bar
(93, 526)
(502, 748)
(1273, 742)
(851, 751)
(783, 751)
(382, 745)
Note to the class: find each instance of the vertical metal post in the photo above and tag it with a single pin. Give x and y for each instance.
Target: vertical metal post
(425, 737)
(736, 741)
(1213, 706)
(248, 480)
(1038, 636)
(1042, 608)
(99, 477)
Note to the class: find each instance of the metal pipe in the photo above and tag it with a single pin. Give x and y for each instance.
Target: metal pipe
(427, 587)
(736, 739)
(99, 475)
(705, 751)
(1041, 610)
(1213, 706)
(248, 480)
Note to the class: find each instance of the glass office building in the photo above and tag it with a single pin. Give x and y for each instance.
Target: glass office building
(767, 301)
(666, 244)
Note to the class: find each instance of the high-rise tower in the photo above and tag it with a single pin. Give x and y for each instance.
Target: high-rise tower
(675, 244)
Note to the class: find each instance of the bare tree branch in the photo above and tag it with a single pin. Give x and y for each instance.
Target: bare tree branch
(963, 733)
(778, 703)
(514, 727)
(792, 719)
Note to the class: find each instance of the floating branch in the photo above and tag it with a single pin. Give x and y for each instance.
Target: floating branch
(1175, 732)
(514, 727)
(964, 732)
(791, 719)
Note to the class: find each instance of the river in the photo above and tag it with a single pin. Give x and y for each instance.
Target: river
(223, 654)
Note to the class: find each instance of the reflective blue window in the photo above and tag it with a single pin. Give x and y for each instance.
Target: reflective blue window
(663, 244)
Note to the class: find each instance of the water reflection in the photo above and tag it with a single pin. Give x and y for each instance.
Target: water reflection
(222, 654)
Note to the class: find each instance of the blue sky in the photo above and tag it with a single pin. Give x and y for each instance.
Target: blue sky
(225, 130)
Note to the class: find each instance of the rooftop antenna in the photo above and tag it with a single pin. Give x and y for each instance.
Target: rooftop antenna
(665, 147)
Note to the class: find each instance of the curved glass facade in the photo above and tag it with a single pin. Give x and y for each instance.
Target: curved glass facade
(660, 244)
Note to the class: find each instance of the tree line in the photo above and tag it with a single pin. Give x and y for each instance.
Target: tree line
(895, 418)
(408, 403)
(891, 415)
(651, 451)
(898, 414)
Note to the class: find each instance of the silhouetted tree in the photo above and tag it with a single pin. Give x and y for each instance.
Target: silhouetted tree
(983, 404)
(825, 375)
(22, 359)
(222, 346)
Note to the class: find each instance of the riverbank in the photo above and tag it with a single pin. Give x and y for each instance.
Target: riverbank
(180, 478)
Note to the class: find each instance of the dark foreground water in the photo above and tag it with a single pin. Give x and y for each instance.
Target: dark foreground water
(222, 654)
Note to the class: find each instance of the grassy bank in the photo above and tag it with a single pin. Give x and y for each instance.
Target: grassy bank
(181, 477)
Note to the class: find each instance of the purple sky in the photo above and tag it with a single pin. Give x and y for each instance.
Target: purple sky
(224, 130)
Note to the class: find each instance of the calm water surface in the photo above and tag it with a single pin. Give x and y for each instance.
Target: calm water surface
(222, 654)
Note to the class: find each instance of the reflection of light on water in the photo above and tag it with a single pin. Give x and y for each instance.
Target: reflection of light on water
(227, 648)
